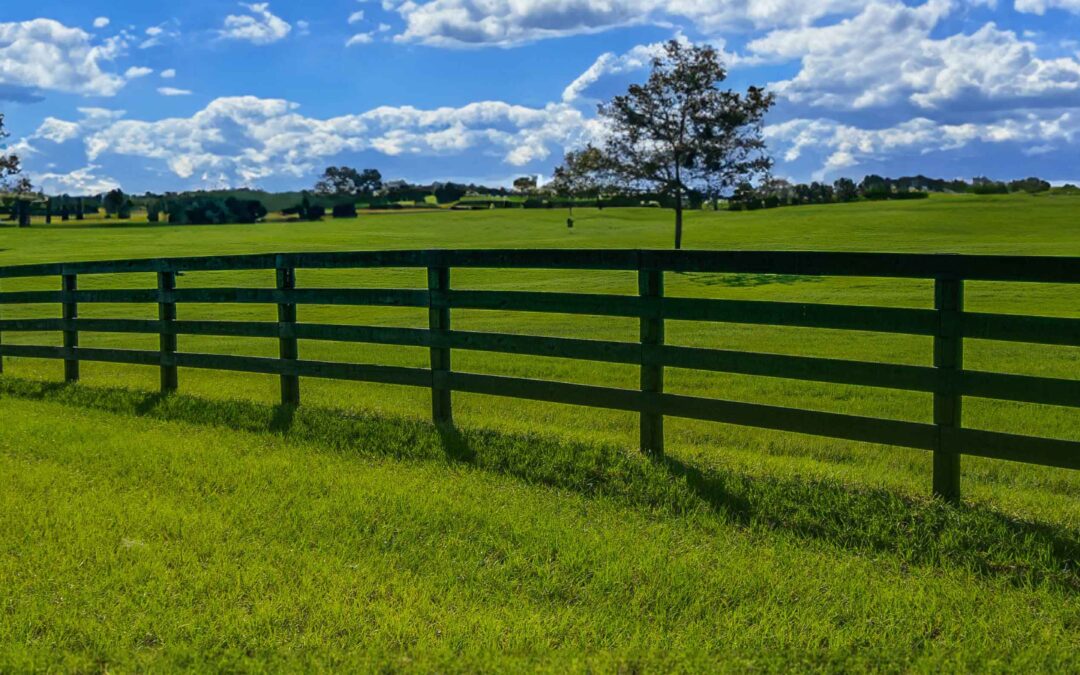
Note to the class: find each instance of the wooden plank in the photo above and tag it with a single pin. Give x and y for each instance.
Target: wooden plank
(31, 297)
(357, 372)
(241, 364)
(70, 284)
(651, 334)
(358, 259)
(126, 356)
(130, 356)
(557, 259)
(1045, 269)
(306, 296)
(1015, 328)
(532, 345)
(543, 390)
(561, 303)
(1058, 453)
(948, 401)
(1021, 388)
(362, 372)
(409, 337)
(32, 351)
(805, 315)
(148, 326)
(829, 425)
(836, 371)
(259, 329)
(439, 323)
(118, 296)
(32, 325)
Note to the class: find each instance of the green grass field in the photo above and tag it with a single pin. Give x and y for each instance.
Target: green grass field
(210, 531)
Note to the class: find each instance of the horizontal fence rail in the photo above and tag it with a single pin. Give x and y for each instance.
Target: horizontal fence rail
(948, 324)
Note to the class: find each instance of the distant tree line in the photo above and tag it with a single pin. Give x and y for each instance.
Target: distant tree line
(774, 192)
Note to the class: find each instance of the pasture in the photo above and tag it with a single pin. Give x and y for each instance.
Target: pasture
(208, 530)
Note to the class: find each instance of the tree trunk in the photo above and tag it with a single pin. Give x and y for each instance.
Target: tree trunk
(678, 220)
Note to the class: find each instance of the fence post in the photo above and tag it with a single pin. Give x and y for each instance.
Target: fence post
(948, 360)
(439, 322)
(288, 350)
(70, 284)
(1, 351)
(651, 288)
(167, 337)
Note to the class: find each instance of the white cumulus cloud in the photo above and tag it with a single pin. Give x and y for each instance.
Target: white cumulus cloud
(245, 139)
(1041, 6)
(46, 54)
(887, 55)
(512, 22)
(259, 26)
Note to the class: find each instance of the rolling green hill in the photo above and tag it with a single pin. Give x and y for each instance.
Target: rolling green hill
(210, 531)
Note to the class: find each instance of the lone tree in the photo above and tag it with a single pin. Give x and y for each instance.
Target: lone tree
(344, 181)
(9, 166)
(679, 132)
(114, 202)
(583, 173)
(525, 184)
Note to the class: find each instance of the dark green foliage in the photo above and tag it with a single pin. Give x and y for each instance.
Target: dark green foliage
(344, 181)
(448, 193)
(306, 209)
(9, 164)
(1031, 185)
(22, 209)
(679, 133)
(345, 210)
(213, 211)
(845, 190)
(113, 202)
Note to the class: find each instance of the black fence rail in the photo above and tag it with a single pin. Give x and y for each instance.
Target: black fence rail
(947, 323)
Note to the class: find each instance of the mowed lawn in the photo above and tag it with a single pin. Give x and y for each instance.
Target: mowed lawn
(209, 530)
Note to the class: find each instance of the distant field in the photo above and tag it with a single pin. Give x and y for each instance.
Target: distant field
(203, 532)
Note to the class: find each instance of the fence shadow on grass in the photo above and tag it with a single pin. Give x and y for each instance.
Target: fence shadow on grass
(746, 280)
(913, 531)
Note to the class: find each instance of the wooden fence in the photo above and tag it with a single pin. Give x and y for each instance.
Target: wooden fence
(947, 323)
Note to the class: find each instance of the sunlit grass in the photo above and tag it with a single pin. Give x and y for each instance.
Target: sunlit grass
(212, 531)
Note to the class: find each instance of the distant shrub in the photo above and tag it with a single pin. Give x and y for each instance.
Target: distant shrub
(316, 212)
(344, 210)
(990, 189)
(214, 211)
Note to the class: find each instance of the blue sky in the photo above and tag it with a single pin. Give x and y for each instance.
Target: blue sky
(208, 93)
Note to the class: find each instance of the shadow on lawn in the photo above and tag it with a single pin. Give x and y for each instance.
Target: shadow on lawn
(739, 280)
(914, 531)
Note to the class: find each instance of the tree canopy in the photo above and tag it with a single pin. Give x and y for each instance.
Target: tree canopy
(9, 164)
(344, 181)
(679, 132)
